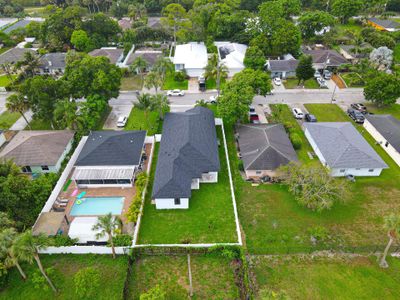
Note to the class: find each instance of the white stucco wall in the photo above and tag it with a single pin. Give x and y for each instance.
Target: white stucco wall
(192, 72)
(2, 139)
(195, 184)
(210, 177)
(166, 203)
(393, 153)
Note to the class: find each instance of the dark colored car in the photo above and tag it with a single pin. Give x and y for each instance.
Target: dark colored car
(356, 115)
(310, 118)
(360, 107)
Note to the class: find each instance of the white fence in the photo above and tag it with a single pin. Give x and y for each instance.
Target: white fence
(84, 250)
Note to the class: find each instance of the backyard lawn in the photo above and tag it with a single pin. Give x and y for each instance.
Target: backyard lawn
(323, 278)
(5, 80)
(39, 124)
(396, 54)
(392, 109)
(292, 83)
(62, 270)
(352, 79)
(131, 83)
(171, 84)
(7, 119)
(212, 277)
(209, 219)
(137, 121)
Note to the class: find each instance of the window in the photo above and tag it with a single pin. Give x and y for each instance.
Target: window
(358, 169)
(370, 170)
(177, 201)
(386, 144)
(258, 172)
(342, 170)
(82, 181)
(123, 181)
(45, 168)
(96, 181)
(26, 169)
(110, 181)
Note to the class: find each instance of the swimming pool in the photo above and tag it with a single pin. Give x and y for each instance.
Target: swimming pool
(98, 206)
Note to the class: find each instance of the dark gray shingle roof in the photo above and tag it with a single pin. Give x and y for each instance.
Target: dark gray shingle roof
(264, 146)
(112, 148)
(330, 57)
(188, 148)
(288, 65)
(53, 60)
(388, 126)
(343, 146)
(148, 55)
(16, 25)
(385, 23)
(112, 54)
(14, 55)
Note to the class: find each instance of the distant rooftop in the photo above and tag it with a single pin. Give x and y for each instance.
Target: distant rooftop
(386, 23)
(388, 126)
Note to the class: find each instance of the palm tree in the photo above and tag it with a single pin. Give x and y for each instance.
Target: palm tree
(26, 248)
(392, 225)
(216, 70)
(29, 64)
(162, 66)
(65, 114)
(140, 65)
(18, 103)
(136, 11)
(153, 80)
(160, 103)
(7, 238)
(145, 104)
(107, 225)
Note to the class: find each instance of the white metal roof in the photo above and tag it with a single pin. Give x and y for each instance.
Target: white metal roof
(193, 55)
(103, 173)
(81, 228)
(236, 52)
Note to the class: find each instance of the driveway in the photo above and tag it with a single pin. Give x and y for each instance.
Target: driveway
(116, 112)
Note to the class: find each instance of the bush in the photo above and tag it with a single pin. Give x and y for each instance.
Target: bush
(240, 165)
(134, 208)
(155, 293)
(62, 240)
(122, 240)
(87, 282)
(179, 76)
(38, 280)
(319, 233)
(296, 141)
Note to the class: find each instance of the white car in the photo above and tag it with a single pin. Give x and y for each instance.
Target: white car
(213, 99)
(121, 122)
(297, 113)
(175, 93)
(317, 74)
(277, 81)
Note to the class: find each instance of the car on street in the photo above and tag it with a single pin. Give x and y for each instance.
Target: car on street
(277, 81)
(175, 93)
(356, 115)
(121, 122)
(360, 107)
(310, 118)
(327, 74)
(297, 113)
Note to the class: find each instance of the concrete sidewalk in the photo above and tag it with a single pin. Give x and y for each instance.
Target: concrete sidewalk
(21, 123)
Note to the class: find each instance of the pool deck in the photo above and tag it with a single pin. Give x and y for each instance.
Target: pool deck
(127, 192)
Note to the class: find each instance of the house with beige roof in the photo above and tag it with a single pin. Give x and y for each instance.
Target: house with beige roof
(39, 151)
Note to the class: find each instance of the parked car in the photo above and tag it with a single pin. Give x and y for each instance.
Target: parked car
(121, 122)
(252, 110)
(356, 115)
(254, 119)
(277, 81)
(297, 113)
(327, 74)
(321, 82)
(175, 93)
(317, 74)
(310, 118)
(360, 107)
(213, 99)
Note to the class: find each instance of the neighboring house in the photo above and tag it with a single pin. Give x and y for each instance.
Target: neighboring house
(2, 138)
(342, 149)
(191, 57)
(386, 131)
(323, 58)
(264, 148)
(232, 56)
(352, 54)
(283, 68)
(52, 64)
(154, 22)
(188, 156)
(125, 23)
(115, 55)
(39, 151)
(384, 25)
(148, 54)
(14, 55)
(19, 24)
(109, 159)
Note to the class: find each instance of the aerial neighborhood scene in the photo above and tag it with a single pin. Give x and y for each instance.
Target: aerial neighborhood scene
(199, 149)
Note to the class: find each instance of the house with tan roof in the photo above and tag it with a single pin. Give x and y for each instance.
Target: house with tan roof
(39, 151)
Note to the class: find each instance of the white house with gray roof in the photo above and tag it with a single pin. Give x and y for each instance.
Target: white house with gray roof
(385, 129)
(342, 149)
(52, 64)
(188, 157)
(109, 159)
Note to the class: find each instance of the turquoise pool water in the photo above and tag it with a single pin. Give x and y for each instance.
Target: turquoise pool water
(98, 206)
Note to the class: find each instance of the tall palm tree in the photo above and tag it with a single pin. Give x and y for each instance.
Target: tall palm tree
(140, 65)
(29, 64)
(153, 80)
(136, 11)
(107, 225)
(162, 66)
(216, 70)
(7, 238)
(65, 114)
(145, 104)
(26, 248)
(160, 103)
(18, 103)
(392, 225)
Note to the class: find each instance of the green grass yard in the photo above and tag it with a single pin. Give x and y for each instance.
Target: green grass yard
(39, 124)
(392, 109)
(292, 83)
(396, 54)
(5, 80)
(209, 219)
(7, 119)
(131, 83)
(323, 278)
(112, 277)
(352, 79)
(212, 277)
(137, 121)
(171, 84)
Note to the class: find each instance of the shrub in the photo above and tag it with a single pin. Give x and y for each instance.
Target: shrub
(179, 76)
(134, 208)
(121, 240)
(240, 165)
(296, 141)
(155, 293)
(62, 240)
(319, 233)
(38, 280)
(87, 282)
